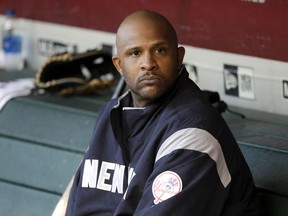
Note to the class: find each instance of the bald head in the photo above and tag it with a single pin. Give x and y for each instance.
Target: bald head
(143, 21)
(148, 56)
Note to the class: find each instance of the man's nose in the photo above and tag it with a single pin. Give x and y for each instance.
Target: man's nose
(148, 62)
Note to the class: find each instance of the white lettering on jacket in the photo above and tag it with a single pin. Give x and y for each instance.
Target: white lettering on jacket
(110, 176)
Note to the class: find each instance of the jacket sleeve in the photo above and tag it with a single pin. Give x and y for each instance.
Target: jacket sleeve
(190, 186)
(190, 177)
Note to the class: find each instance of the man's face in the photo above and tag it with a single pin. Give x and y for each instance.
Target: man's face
(149, 62)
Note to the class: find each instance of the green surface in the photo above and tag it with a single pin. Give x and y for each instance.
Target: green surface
(36, 166)
(260, 129)
(263, 139)
(269, 168)
(47, 125)
(264, 144)
(42, 141)
(22, 201)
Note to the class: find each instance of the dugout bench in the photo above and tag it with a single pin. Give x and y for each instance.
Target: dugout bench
(43, 139)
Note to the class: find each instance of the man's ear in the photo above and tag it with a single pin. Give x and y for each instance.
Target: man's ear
(117, 63)
(181, 53)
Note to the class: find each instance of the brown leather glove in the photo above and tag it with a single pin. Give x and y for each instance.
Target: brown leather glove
(77, 73)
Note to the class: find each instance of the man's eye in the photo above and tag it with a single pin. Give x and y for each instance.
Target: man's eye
(135, 53)
(160, 51)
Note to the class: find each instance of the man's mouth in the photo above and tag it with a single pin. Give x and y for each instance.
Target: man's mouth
(150, 79)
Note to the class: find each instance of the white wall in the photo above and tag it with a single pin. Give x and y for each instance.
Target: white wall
(268, 76)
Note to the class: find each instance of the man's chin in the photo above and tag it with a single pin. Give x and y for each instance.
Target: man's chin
(152, 92)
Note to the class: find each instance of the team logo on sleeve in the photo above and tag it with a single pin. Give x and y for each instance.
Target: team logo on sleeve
(166, 185)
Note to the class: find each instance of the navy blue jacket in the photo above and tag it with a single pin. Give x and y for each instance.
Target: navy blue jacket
(176, 156)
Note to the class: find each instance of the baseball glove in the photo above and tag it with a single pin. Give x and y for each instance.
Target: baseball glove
(77, 73)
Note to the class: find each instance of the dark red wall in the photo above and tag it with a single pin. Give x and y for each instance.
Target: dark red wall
(237, 26)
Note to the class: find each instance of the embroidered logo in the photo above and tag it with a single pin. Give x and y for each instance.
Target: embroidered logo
(166, 185)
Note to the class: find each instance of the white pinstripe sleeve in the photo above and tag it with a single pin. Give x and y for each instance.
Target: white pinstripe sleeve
(198, 140)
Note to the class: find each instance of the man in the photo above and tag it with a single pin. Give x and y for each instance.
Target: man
(160, 149)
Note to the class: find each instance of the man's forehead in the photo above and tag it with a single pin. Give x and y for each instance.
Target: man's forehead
(141, 31)
(142, 40)
(151, 44)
